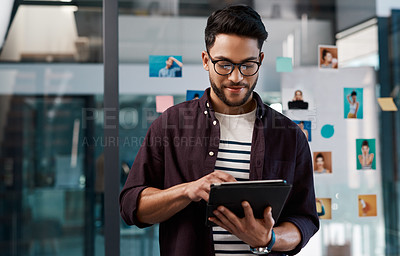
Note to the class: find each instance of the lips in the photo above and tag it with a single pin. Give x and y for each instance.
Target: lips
(235, 89)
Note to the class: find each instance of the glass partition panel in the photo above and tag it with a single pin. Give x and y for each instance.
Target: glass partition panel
(50, 201)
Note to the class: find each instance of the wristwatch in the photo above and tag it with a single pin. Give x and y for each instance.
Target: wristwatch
(264, 250)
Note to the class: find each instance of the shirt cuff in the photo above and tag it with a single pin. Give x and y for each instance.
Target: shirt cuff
(128, 208)
(307, 229)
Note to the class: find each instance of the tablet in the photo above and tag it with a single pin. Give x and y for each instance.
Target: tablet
(259, 194)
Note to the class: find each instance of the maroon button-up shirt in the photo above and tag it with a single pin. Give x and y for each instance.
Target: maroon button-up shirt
(177, 149)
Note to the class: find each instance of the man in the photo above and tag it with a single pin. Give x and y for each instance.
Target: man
(168, 70)
(226, 135)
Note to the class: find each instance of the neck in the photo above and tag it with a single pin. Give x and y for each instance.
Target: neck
(220, 107)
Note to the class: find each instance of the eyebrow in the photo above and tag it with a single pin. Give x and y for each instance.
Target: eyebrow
(224, 58)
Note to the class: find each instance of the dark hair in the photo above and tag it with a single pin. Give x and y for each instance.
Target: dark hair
(240, 20)
(365, 143)
(353, 93)
(324, 52)
(319, 155)
(196, 95)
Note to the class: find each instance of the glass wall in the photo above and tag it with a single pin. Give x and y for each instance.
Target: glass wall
(50, 180)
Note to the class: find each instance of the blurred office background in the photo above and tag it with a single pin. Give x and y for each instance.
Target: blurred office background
(51, 103)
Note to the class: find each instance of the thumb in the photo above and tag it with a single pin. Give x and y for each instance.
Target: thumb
(269, 221)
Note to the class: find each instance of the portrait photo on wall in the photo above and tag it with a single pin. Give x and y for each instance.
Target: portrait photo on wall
(193, 94)
(165, 66)
(297, 99)
(353, 103)
(366, 154)
(324, 208)
(327, 57)
(367, 205)
(322, 162)
(298, 102)
(305, 126)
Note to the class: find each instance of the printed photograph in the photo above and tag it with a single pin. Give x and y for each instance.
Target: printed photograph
(193, 94)
(366, 154)
(327, 57)
(367, 205)
(298, 98)
(165, 66)
(353, 103)
(305, 126)
(322, 162)
(324, 209)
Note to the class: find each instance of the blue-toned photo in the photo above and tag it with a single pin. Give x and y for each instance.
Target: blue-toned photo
(353, 103)
(305, 126)
(165, 66)
(193, 94)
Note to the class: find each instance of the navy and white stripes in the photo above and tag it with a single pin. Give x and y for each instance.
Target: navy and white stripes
(233, 158)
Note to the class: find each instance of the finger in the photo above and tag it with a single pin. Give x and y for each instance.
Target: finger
(248, 211)
(204, 195)
(269, 221)
(219, 223)
(224, 177)
(229, 219)
(220, 214)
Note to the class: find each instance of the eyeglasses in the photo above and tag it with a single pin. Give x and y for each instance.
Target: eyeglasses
(225, 67)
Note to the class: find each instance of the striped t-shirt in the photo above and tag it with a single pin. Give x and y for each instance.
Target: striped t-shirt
(234, 158)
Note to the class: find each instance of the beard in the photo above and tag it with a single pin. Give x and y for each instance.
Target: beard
(221, 95)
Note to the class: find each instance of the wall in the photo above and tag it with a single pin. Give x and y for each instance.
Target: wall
(383, 7)
(325, 89)
(352, 12)
(41, 29)
(141, 36)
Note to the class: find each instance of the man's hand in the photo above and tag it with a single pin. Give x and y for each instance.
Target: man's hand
(200, 189)
(254, 232)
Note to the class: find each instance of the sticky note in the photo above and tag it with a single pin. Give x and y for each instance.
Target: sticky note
(327, 131)
(387, 104)
(284, 64)
(164, 102)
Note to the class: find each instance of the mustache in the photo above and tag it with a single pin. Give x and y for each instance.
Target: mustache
(230, 84)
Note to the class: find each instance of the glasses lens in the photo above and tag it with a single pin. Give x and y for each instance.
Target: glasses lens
(223, 67)
(249, 68)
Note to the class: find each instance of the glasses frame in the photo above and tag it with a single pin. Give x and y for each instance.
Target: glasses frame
(235, 64)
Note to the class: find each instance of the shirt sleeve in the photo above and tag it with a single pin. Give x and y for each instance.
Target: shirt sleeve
(301, 207)
(147, 171)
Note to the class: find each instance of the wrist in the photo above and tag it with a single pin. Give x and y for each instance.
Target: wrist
(265, 249)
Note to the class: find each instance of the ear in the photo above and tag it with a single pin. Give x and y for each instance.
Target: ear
(204, 57)
(261, 57)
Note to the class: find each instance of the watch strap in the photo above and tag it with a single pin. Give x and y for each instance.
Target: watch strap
(265, 250)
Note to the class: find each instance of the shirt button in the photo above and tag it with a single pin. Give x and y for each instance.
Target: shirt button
(208, 105)
(211, 153)
(205, 112)
(214, 122)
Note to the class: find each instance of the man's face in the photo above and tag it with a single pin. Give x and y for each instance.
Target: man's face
(234, 89)
(169, 62)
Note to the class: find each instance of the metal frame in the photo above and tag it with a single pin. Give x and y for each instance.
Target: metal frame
(387, 136)
(111, 125)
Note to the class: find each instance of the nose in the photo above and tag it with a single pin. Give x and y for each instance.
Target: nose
(235, 76)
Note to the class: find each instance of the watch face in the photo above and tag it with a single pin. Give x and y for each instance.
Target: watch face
(260, 250)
